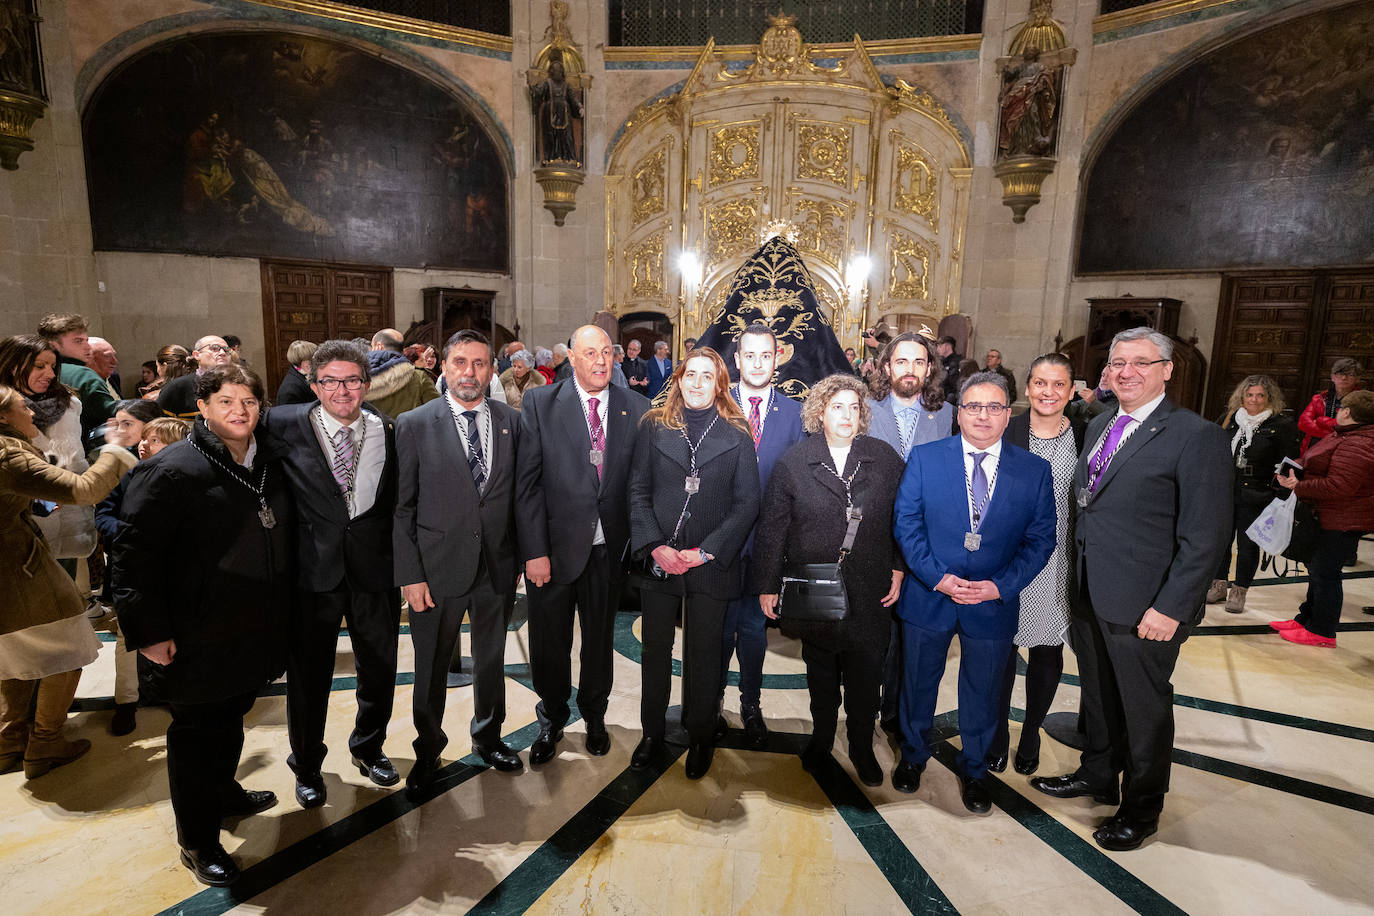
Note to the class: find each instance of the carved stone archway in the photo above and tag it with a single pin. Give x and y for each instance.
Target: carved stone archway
(855, 172)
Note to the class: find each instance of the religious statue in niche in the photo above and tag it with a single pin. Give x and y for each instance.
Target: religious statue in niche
(557, 81)
(1029, 108)
(23, 96)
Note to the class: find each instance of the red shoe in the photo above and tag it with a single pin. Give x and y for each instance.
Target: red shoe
(1305, 637)
(1282, 625)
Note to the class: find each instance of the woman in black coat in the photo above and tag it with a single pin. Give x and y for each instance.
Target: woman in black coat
(694, 495)
(804, 519)
(1261, 437)
(202, 580)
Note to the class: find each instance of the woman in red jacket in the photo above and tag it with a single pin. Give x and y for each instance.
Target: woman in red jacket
(1318, 419)
(1338, 475)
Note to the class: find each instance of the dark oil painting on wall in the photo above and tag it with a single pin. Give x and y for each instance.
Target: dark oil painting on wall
(1259, 155)
(269, 144)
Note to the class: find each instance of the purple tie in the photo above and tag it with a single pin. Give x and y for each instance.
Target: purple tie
(1099, 463)
(598, 432)
(344, 462)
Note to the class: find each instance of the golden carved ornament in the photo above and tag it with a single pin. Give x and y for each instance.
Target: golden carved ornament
(1362, 340)
(734, 154)
(646, 267)
(730, 229)
(822, 226)
(904, 95)
(908, 268)
(916, 183)
(823, 152)
(300, 318)
(648, 186)
(779, 227)
(1269, 338)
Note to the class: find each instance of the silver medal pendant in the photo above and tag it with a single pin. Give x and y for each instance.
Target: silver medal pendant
(1083, 499)
(692, 484)
(972, 540)
(596, 456)
(265, 516)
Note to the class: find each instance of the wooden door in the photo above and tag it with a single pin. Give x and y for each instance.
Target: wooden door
(1291, 326)
(304, 300)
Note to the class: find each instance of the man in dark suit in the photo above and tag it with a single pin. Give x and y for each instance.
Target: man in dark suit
(775, 422)
(577, 440)
(636, 369)
(660, 370)
(340, 459)
(178, 397)
(455, 549)
(1154, 494)
(975, 520)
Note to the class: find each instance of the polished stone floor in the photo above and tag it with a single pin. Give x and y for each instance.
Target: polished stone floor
(1271, 809)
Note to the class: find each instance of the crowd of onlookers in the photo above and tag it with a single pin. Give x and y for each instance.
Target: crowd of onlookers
(234, 553)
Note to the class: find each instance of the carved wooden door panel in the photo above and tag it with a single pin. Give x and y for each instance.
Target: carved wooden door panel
(1348, 329)
(319, 302)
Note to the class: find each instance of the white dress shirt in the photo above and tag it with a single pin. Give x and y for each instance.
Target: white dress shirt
(994, 453)
(742, 397)
(368, 475)
(1139, 415)
(483, 430)
(602, 411)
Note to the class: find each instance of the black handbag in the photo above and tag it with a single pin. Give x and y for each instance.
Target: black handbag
(1306, 528)
(815, 591)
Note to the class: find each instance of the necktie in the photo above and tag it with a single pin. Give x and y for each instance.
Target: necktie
(980, 485)
(598, 433)
(906, 428)
(755, 421)
(475, 461)
(1105, 453)
(343, 457)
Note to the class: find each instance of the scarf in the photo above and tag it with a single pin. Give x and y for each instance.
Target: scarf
(1246, 424)
(47, 409)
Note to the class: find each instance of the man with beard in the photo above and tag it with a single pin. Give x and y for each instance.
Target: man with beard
(909, 409)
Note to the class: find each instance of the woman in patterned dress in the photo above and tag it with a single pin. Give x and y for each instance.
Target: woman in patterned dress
(1046, 432)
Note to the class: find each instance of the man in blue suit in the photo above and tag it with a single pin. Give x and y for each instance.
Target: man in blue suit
(975, 519)
(908, 409)
(775, 421)
(660, 369)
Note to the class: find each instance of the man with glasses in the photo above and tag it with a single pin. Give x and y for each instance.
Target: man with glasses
(1153, 489)
(975, 520)
(178, 397)
(340, 459)
(909, 410)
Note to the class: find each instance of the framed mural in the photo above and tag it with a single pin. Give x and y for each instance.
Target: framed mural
(272, 144)
(1261, 154)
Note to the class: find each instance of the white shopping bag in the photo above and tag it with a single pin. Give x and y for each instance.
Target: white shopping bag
(1274, 527)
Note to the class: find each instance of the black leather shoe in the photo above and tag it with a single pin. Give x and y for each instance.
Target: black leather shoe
(1122, 834)
(499, 756)
(422, 776)
(545, 746)
(1026, 765)
(755, 729)
(975, 795)
(125, 719)
(866, 766)
(998, 764)
(211, 865)
(814, 759)
(907, 777)
(598, 741)
(247, 804)
(699, 760)
(722, 729)
(1071, 785)
(310, 792)
(379, 769)
(648, 752)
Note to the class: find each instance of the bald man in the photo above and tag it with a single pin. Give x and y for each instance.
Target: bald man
(572, 504)
(178, 397)
(104, 362)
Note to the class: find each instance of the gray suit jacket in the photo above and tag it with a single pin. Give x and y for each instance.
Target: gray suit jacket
(930, 424)
(444, 527)
(1153, 533)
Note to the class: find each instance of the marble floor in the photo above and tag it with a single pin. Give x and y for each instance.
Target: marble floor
(1271, 808)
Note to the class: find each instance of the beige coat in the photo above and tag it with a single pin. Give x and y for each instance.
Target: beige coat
(42, 625)
(515, 391)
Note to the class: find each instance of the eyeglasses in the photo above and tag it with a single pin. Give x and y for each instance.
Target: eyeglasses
(992, 410)
(332, 384)
(1139, 365)
(215, 348)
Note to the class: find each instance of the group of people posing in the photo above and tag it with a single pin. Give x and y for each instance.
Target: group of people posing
(238, 553)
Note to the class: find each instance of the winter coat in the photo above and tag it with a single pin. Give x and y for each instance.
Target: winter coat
(515, 389)
(397, 384)
(43, 628)
(1275, 439)
(193, 563)
(1338, 475)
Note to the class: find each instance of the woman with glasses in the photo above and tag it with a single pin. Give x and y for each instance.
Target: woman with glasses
(202, 579)
(1045, 431)
(814, 488)
(1261, 437)
(1337, 475)
(694, 495)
